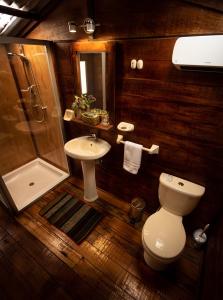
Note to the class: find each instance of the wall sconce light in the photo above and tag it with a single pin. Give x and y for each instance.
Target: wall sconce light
(72, 26)
(88, 26)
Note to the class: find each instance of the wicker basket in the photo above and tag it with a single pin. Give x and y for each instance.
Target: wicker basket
(98, 111)
(90, 118)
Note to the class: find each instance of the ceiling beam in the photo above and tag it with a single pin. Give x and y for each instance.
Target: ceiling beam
(17, 40)
(18, 13)
(43, 12)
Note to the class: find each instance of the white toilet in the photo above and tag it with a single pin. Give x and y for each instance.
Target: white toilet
(163, 234)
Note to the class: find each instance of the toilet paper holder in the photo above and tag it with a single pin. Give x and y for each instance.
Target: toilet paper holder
(154, 149)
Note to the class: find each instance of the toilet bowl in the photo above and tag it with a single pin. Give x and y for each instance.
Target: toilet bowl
(163, 234)
(163, 239)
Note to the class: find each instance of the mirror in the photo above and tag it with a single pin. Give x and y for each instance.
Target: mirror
(94, 72)
(92, 76)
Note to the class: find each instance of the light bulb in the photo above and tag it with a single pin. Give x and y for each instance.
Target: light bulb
(89, 26)
(72, 27)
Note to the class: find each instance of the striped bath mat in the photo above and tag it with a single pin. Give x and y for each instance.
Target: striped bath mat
(72, 216)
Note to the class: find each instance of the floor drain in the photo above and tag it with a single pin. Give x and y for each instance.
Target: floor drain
(31, 183)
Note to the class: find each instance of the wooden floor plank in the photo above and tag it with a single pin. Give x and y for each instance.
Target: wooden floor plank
(88, 253)
(58, 270)
(2, 233)
(135, 265)
(45, 232)
(35, 276)
(109, 263)
(47, 236)
(13, 286)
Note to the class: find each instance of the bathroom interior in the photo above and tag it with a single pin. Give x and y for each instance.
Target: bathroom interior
(175, 114)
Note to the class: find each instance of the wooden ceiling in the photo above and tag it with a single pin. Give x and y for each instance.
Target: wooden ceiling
(23, 15)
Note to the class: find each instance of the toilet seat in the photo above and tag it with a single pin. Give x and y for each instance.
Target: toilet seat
(163, 235)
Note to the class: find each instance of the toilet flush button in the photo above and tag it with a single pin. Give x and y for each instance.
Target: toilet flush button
(169, 178)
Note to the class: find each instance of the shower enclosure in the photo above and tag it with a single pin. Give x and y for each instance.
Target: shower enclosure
(32, 159)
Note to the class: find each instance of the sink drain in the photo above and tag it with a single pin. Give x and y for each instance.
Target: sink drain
(31, 183)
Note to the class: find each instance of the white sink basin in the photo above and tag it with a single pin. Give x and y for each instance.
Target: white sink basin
(86, 148)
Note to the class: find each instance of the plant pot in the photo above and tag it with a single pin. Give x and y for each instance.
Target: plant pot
(78, 113)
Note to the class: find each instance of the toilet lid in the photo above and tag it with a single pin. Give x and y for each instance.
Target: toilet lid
(164, 234)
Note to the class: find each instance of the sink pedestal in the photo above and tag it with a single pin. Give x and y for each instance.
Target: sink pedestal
(87, 150)
(88, 168)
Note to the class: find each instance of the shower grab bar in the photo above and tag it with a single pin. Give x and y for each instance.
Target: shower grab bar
(29, 89)
(25, 90)
(154, 149)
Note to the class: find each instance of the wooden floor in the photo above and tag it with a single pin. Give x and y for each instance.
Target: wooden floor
(37, 261)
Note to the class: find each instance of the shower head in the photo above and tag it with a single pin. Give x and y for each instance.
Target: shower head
(22, 56)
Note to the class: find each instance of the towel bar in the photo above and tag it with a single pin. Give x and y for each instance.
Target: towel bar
(154, 149)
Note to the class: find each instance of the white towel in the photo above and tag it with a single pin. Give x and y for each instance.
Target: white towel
(132, 157)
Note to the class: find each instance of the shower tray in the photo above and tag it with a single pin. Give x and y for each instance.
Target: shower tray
(31, 181)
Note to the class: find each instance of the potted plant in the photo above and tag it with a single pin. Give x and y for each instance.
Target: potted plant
(82, 103)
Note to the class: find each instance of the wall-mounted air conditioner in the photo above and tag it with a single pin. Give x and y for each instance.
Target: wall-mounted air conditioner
(203, 53)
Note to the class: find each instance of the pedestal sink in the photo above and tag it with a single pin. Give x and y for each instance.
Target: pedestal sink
(87, 149)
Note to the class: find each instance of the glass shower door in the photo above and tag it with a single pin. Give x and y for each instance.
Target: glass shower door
(32, 159)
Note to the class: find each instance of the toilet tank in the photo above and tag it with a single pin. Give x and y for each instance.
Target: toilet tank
(177, 195)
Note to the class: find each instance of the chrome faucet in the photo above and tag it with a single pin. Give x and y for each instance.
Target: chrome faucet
(92, 136)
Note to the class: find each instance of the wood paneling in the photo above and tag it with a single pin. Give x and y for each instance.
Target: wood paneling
(214, 4)
(55, 26)
(65, 74)
(180, 111)
(16, 148)
(50, 143)
(131, 19)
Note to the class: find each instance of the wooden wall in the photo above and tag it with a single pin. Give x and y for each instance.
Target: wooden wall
(55, 27)
(133, 19)
(49, 141)
(180, 111)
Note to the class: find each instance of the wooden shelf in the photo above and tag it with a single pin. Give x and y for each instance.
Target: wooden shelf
(99, 126)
